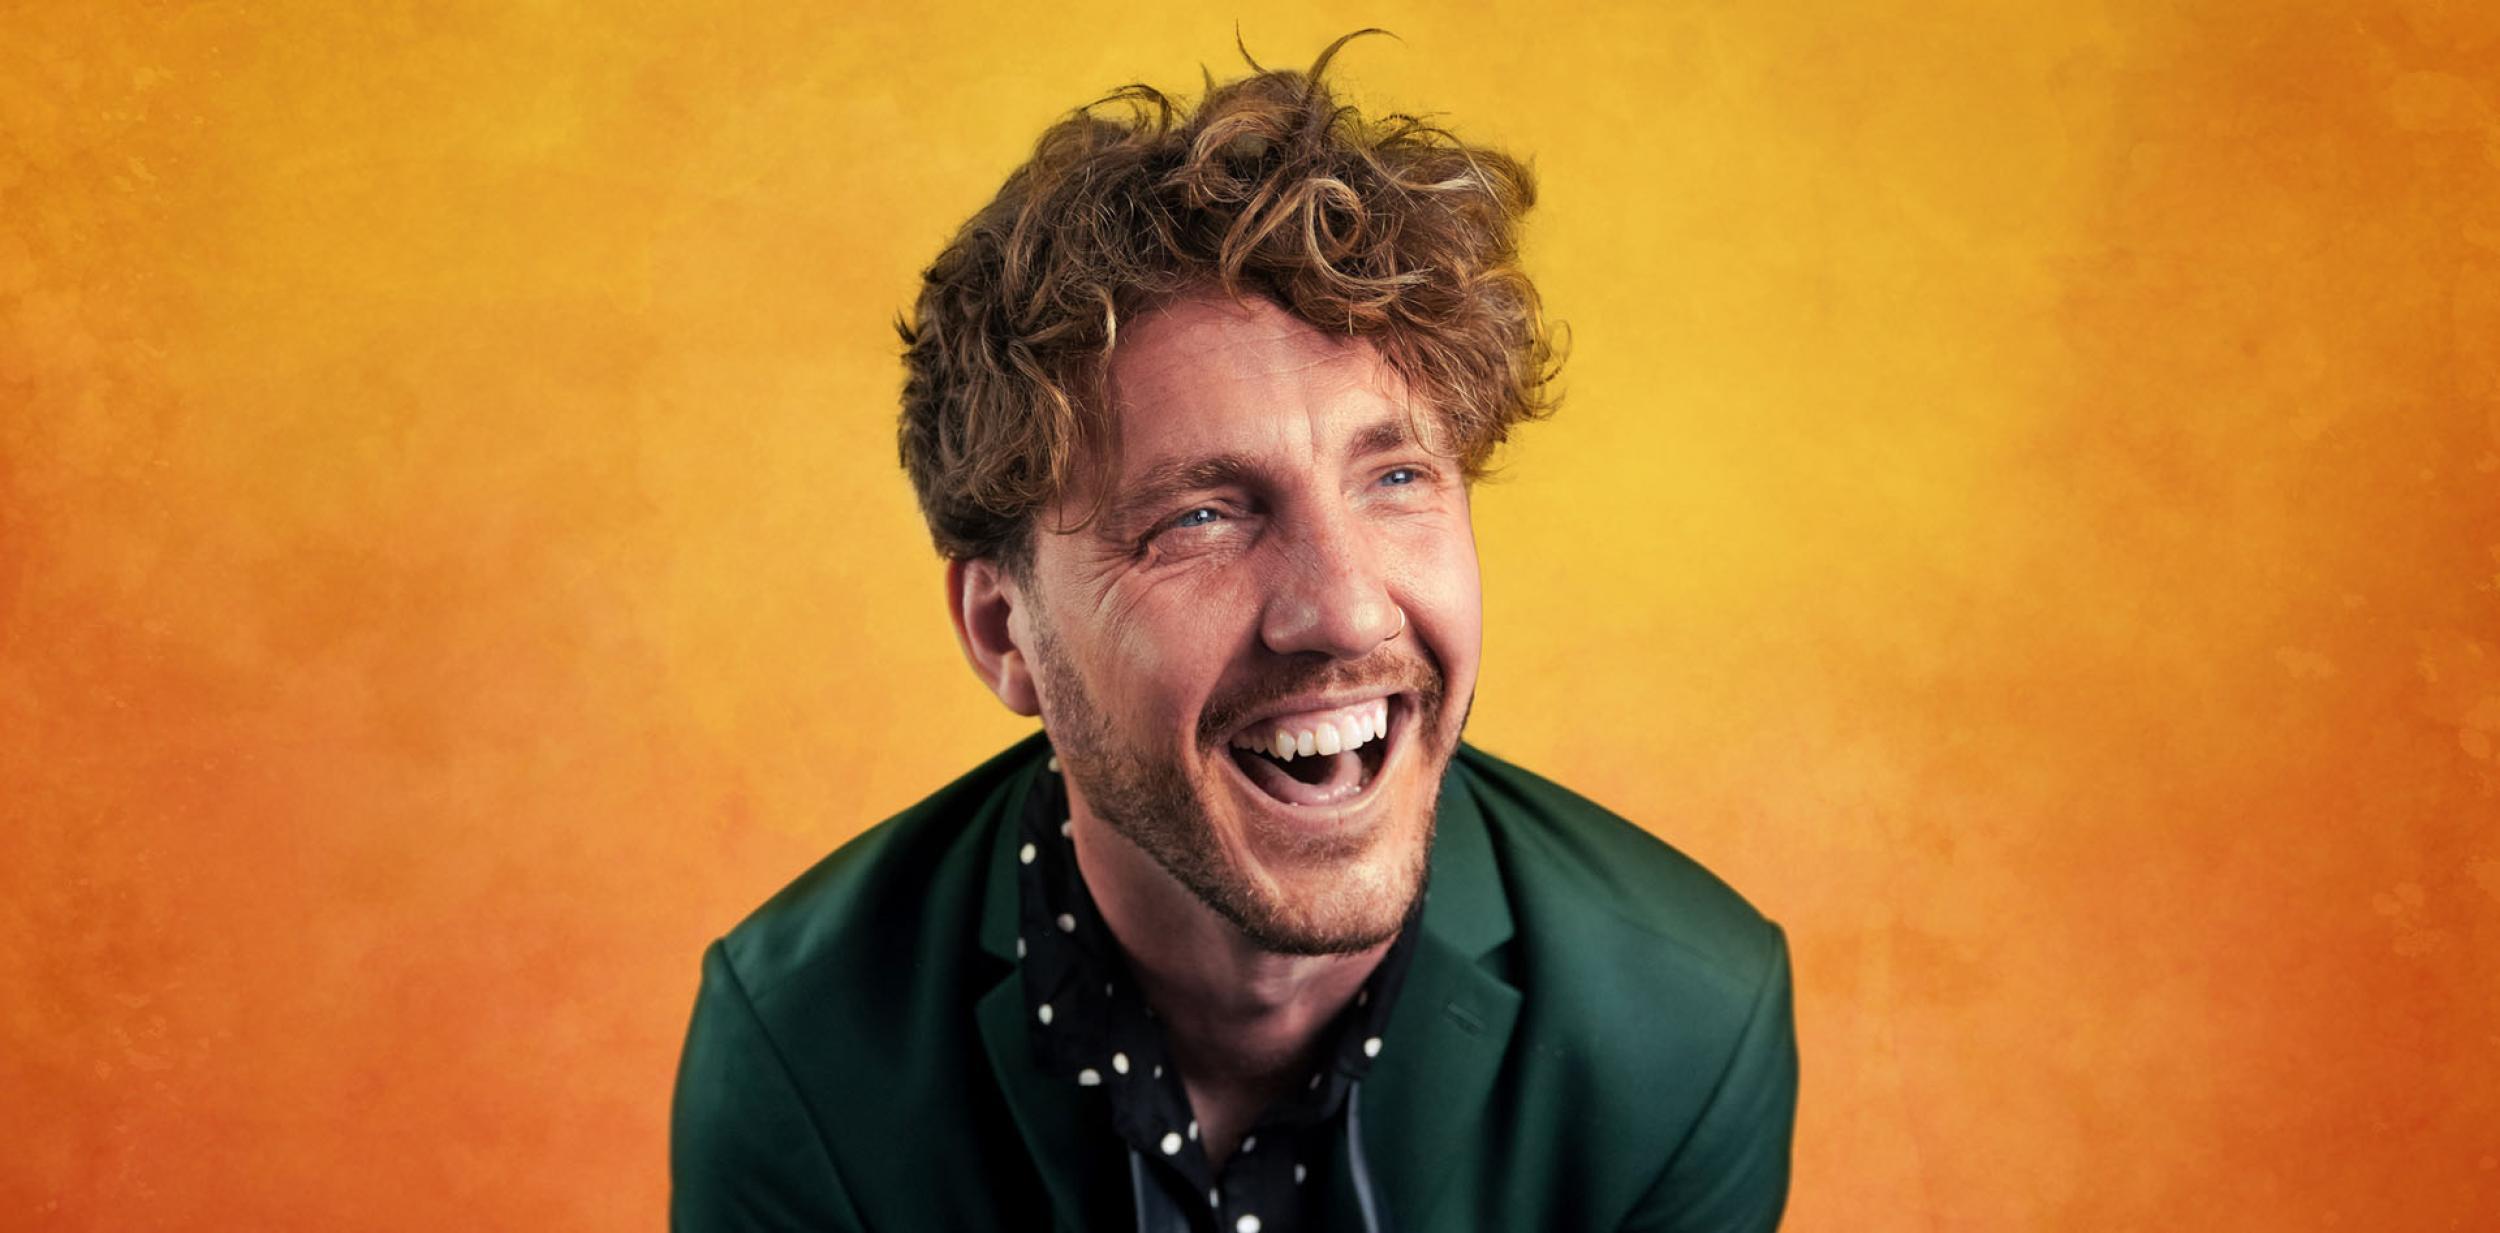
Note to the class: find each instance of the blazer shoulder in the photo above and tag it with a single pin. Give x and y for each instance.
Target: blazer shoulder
(1582, 869)
(1656, 1000)
(912, 881)
(851, 990)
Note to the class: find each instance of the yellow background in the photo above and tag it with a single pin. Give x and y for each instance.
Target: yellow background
(2024, 512)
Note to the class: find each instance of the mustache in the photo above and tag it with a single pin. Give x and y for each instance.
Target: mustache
(1383, 672)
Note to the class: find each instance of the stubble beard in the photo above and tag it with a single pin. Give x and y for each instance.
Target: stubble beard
(1147, 798)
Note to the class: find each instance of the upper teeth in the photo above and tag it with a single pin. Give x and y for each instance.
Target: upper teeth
(1331, 732)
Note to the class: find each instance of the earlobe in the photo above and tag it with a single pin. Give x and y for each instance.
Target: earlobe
(991, 627)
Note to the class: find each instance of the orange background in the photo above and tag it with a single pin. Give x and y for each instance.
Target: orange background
(2024, 512)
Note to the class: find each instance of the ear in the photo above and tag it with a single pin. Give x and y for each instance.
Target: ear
(994, 630)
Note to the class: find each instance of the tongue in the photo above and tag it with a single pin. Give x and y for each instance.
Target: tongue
(1341, 777)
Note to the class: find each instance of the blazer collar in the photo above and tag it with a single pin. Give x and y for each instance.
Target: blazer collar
(1446, 1038)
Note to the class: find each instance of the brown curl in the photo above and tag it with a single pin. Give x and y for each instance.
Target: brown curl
(1389, 229)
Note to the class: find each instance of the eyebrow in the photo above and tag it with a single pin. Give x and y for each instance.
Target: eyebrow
(1166, 481)
(1380, 437)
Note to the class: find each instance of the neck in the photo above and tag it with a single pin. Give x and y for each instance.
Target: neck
(1243, 1024)
(1241, 1021)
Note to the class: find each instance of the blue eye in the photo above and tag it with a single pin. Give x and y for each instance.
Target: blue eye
(1410, 475)
(1192, 519)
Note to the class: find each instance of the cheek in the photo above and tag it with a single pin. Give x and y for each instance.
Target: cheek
(1139, 653)
(1160, 658)
(1442, 587)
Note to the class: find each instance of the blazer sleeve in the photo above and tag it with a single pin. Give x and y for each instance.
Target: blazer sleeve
(1731, 1174)
(745, 1153)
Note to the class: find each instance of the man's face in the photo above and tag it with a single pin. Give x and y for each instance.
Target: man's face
(1278, 561)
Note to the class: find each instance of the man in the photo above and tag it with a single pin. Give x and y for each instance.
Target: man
(1247, 939)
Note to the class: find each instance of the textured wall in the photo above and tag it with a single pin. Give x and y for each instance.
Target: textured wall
(2025, 513)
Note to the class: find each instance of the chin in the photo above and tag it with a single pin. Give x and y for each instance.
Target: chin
(1333, 894)
(1354, 910)
(1306, 852)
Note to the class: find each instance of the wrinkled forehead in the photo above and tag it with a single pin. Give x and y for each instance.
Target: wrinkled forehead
(1209, 375)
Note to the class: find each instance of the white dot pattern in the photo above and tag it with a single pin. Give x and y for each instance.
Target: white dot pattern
(1113, 1041)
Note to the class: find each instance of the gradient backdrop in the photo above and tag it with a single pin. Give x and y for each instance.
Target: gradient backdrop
(2024, 512)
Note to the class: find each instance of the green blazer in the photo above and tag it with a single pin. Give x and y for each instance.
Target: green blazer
(1595, 1034)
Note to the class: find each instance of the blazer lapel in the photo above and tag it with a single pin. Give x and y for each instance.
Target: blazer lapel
(1045, 1108)
(1452, 1023)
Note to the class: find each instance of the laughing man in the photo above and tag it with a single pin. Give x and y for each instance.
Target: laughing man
(1246, 938)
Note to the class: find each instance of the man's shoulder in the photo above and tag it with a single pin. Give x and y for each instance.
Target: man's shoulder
(1656, 1004)
(1585, 880)
(850, 992)
(892, 896)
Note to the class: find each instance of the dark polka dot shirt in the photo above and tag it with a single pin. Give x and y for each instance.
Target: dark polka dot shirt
(1090, 1025)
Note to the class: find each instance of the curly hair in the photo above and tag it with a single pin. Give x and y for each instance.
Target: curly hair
(1387, 229)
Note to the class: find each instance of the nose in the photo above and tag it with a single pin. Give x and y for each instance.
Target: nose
(1329, 595)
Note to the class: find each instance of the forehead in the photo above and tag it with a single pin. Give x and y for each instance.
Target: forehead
(1207, 374)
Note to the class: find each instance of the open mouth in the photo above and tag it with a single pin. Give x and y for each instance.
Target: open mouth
(1319, 758)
